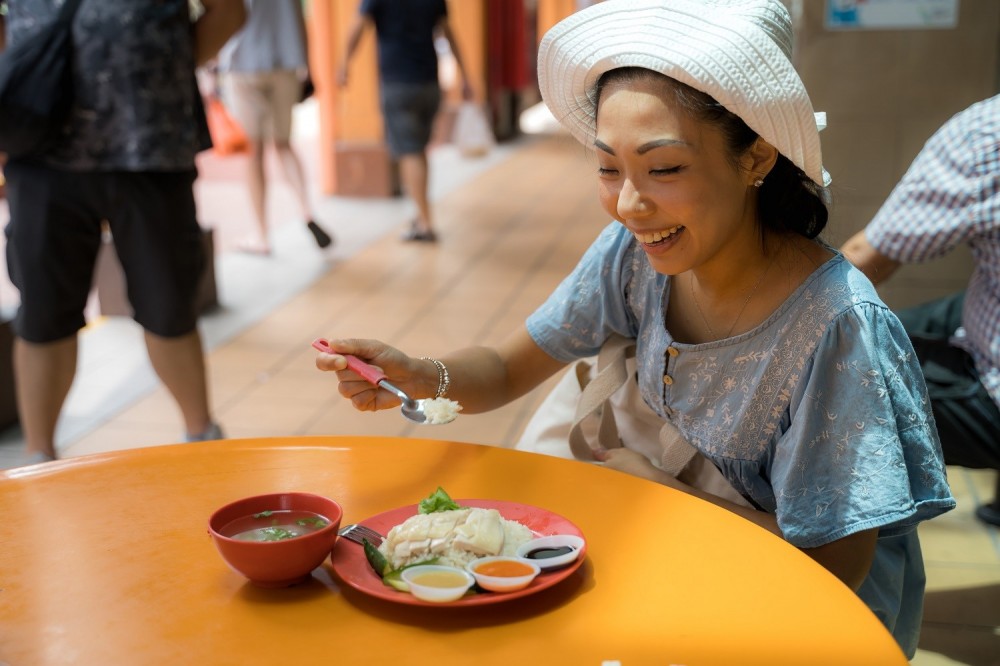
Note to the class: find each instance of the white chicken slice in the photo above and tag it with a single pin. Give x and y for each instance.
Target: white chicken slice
(481, 533)
(423, 535)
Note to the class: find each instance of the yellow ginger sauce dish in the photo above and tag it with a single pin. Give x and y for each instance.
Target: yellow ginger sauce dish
(437, 583)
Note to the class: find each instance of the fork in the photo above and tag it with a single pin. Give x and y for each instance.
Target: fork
(358, 533)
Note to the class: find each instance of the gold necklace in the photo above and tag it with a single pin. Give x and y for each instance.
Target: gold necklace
(739, 314)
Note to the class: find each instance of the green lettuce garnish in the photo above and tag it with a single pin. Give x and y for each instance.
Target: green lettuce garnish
(439, 500)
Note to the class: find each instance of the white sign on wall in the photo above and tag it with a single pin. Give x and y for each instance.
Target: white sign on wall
(891, 14)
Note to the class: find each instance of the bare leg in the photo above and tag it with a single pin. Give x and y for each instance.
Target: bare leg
(257, 185)
(292, 168)
(413, 172)
(180, 364)
(43, 375)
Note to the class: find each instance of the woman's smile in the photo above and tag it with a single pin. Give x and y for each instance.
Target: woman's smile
(659, 239)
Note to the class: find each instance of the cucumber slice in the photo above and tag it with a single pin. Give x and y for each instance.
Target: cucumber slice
(395, 579)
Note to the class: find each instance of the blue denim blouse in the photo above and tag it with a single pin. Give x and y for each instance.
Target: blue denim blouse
(819, 415)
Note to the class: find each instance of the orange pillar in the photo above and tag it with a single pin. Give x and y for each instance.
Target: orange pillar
(353, 160)
(551, 12)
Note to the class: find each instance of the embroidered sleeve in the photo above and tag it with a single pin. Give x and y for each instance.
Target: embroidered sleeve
(861, 450)
(589, 304)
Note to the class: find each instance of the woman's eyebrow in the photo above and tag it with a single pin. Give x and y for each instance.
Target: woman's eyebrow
(659, 143)
(600, 145)
(644, 148)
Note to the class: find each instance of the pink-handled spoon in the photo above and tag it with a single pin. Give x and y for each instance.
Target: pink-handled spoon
(411, 409)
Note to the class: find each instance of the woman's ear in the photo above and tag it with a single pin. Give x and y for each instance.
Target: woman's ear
(759, 160)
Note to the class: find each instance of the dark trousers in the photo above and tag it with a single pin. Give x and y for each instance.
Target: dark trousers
(968, 420)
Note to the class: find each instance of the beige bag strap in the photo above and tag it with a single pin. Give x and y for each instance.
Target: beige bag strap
(677, 451)
(611, 376)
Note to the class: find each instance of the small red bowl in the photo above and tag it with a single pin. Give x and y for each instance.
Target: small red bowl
(275, 563)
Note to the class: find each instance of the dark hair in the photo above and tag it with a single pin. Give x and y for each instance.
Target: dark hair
(788, 201)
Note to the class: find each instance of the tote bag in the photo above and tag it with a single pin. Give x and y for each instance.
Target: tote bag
(600, 405)
(36, 86)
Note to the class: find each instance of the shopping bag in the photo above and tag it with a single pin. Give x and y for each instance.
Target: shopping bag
(227, 135)
(472, 134)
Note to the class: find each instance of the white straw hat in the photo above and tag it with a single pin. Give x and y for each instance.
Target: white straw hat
(737, 51)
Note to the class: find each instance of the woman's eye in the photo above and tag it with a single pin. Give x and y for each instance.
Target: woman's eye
(607, 171)
(665, 172)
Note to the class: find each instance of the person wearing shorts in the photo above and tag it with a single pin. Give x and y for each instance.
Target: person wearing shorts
(409, 88)
(151, 217)
(262, 71)
(126, 162)
(409, 110)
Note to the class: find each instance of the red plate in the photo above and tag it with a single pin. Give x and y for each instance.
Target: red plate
(352, 569)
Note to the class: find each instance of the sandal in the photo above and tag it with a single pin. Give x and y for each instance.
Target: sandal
(253, 247)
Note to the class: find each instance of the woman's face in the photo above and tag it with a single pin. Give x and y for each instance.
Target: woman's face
(668, 178)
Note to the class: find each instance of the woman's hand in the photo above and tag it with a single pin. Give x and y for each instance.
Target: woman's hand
(414, 377)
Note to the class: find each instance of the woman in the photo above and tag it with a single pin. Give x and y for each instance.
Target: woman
(263, 72)
(769, 352)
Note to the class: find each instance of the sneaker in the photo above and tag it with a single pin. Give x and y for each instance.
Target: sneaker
(212, 432)
(323, 239)
(416, 234)
(34, 459)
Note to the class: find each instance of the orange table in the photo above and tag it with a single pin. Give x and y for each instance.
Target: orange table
(105, 559)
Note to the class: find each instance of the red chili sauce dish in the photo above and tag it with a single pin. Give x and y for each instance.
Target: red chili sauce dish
(504, 574)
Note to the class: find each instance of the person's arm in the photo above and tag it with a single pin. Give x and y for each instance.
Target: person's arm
(870, 261)
(849, 559)
(304, 33)
(482, 378)
(445, 28)
(219, 21)
(361, 22)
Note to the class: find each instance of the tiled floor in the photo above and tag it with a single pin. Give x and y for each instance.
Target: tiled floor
(509, 232)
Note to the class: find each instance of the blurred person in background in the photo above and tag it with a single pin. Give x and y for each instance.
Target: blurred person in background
(263, 72)
(126, 156)
(409, 88)
(950, 196)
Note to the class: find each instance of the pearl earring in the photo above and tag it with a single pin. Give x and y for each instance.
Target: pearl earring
(758, 181)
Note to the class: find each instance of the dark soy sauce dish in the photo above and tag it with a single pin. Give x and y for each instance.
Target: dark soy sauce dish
(552, 552)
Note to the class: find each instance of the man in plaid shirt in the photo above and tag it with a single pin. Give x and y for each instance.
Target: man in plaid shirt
(949, 196)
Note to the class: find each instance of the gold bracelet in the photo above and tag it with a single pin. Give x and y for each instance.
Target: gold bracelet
(444, 380)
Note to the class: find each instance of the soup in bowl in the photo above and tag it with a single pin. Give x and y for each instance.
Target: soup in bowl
(276, 540)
